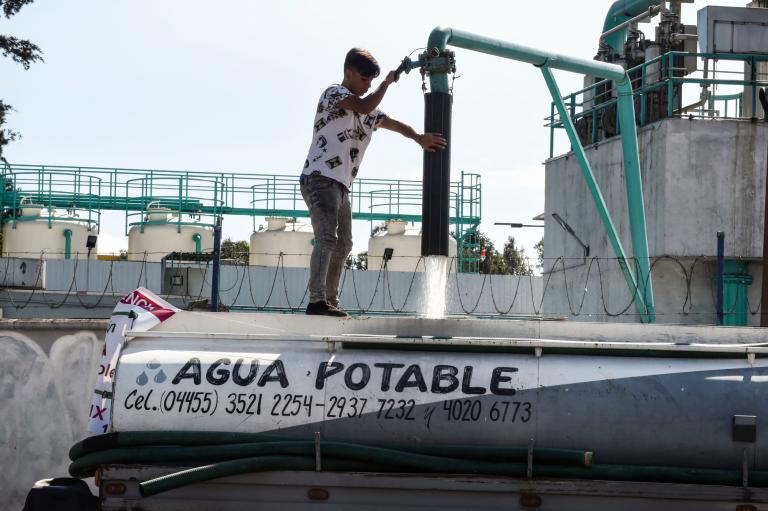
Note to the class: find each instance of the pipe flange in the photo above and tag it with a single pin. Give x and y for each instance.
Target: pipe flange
(437, 61)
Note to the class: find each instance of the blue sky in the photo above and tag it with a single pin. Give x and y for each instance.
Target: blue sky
(232, 86)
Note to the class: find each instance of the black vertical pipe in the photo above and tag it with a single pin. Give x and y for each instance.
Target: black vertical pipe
(437, 177)
(216, 266)
(720, 269)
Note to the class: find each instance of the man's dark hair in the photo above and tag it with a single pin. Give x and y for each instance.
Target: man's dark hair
(362, 61)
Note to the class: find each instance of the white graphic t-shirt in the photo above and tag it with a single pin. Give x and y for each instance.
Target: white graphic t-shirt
(340, 137)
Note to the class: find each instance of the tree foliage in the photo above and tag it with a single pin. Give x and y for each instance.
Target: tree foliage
(510, 261)
(11, 7)
(6, 135)
(539, 248)
(22, 52)
(515, 262)
(358, 262)
(237, 250)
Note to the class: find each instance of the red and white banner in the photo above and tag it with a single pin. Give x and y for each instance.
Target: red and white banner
(139, 310)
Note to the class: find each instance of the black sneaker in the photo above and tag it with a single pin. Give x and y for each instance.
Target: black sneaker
(335, 305)
(323, 309)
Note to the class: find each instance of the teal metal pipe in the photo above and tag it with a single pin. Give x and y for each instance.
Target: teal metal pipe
(635, 201)
(621, 11)
(735, 302)
(443, 36)
(197, 239)
(594, 188)
(67, 243)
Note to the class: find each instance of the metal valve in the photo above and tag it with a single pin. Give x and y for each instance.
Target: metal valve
(433, 60)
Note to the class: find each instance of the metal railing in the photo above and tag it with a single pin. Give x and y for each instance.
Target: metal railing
(64, 196)
(88, 191)
(228, 193)
(146, 197)
(661, 87)
(379, 200)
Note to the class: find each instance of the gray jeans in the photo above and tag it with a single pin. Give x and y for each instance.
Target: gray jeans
(331, 215)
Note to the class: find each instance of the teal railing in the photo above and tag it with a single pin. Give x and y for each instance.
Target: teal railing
(661, 87)
(63, 196)
(87, 191)
(200, 198)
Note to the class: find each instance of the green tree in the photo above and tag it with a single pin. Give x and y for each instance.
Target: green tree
(510, 261)
(358, 262)
(474, 244)
(238, 250)
(539, 248)
(20, 51)
(515, 262)
(493, 263)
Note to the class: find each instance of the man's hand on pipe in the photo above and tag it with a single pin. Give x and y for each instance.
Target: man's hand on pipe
(432, 141)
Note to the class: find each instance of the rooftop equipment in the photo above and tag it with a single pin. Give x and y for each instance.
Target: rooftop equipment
(733, 30)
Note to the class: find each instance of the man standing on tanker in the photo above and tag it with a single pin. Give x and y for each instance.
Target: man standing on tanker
(344, 124)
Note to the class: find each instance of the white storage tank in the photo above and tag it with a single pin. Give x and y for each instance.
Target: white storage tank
(40, 231)
(282, 235)
(162, 232)
(405, 243)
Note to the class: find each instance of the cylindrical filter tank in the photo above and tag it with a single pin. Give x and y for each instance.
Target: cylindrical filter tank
(282, 237)
(161, 232)
(38, 232)
(405, 245)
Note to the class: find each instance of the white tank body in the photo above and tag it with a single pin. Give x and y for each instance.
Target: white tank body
(163, 235)
(249, 375)
(282, 235)
(405, 243)
(36, 235)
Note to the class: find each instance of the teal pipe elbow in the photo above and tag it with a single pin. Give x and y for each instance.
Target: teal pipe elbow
(621, 11)
(197, 239)
(67, 243)
(438, 38)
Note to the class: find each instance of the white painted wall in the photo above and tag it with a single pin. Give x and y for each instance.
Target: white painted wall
(46, 381)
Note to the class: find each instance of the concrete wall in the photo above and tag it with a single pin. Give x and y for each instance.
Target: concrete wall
(699, 177)
(684, 292)
(47, 372)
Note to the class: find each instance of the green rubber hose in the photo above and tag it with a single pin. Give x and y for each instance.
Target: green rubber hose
(222, 454)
